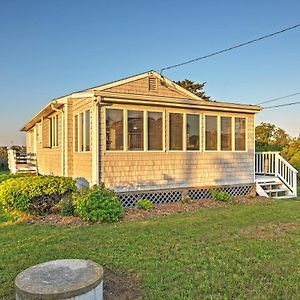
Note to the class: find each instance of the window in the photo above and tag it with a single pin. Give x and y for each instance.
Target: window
(82, 132)
(87, 130)
(135, 130)
(176, 131)
(39, 132)
(240, 134)
(76, 133)
(211, 133)
(192, 132)
(226, 134)
(155, 131)
(114, 129)
(54, 131)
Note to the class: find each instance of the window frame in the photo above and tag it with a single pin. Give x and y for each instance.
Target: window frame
(183, 132)
(144, 130)
(54, 123)
(200, 132)
(163, 131)
(233, 117)
(83, 131)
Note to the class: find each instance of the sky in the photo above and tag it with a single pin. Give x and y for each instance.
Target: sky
(51, 48)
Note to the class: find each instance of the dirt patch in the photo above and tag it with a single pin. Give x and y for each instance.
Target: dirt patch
(57, 220)
(269, 231)
(170, 208)
(118, 286)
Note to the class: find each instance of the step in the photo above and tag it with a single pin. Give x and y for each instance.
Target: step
(277, 190)
(284, 197)
(269, 183)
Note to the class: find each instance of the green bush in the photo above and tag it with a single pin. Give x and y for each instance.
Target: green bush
(7, 176)
(98, 205)
(186, 200)
(34, 194)
(144, 204)
(67, 206)
(220, 196)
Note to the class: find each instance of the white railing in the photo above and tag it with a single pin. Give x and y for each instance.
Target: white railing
(272, 163)
(18, 160)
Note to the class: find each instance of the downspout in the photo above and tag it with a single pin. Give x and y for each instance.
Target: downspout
(62, 137)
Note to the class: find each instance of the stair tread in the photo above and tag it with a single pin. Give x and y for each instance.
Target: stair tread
(277, 190)
(270, 183)
(284, 197)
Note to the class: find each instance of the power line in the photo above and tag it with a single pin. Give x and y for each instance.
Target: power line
(230, 48)
(275, 99)
(281, 105)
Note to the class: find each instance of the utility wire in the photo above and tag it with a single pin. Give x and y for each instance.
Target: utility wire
(230, 48)
(281, 105)
(275, 99)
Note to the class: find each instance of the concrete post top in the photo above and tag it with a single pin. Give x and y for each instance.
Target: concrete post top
(59, 279)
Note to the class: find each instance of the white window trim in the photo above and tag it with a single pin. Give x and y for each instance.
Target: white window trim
(200, 135)
(83, 131)
(183, 132)
(54, 131)
(233, 117)
(145, 130)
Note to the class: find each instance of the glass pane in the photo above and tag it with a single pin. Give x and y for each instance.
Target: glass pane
(176, 127)
(114, 129)
(240, 134)
(87, 131)
(81, 132)
(76, 133)
(135, 130)
(192, 132)
(211, 133)
(226, 134)
(155, 131)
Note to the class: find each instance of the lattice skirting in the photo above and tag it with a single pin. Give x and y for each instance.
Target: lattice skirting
(158, 197)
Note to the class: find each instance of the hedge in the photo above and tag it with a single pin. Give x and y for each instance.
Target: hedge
(34, 194)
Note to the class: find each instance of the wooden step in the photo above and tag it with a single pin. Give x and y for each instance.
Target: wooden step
(284, 197)
(277, 190)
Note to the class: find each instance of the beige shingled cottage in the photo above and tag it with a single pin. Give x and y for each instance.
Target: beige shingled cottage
(146, 137)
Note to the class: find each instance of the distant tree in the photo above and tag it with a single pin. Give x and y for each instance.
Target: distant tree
(195, 88)
(264, 134)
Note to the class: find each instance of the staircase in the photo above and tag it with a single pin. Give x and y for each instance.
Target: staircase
(19, 162)
(274, 176)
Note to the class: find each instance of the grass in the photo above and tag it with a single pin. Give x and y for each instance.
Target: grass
(4, 172)
(217, 253)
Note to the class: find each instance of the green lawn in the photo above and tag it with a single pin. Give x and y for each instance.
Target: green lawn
(234, 252)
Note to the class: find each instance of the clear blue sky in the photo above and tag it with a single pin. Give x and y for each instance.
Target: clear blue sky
(50, 48)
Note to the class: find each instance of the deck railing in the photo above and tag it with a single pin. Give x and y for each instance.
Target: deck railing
(272, 163)
(21, 161)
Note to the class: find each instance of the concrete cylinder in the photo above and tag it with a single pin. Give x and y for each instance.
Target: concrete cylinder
(74, 279)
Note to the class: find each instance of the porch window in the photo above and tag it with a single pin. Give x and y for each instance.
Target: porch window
(226, 134)
(87, 123)
(176, 131)
(54, 131)
(240, 134)
(135, 123)
(39, 132)
(114, 129)
(76, 133)
(155, 130)
(81, 132)
(192, 132)
(211, 133)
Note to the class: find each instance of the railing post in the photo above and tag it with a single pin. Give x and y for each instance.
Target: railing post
(276, 163)
(12, 164)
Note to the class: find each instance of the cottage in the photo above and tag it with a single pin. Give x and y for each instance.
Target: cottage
(145, 136)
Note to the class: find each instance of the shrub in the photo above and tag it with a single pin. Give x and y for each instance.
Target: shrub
(4, 177)
(185, 200)
(98, 205)
(145, 204)
(34, 194)
(220, 196)
(67, 206)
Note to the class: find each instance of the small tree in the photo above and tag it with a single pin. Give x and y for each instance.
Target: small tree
(195, 88)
